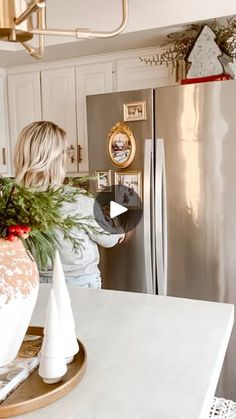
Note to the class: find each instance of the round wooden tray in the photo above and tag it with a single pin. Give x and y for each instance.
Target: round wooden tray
(33, 393)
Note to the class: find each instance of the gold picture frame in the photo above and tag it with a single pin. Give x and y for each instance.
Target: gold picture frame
(135, 111)
(132, 182)
(103, 180)
(121, 147)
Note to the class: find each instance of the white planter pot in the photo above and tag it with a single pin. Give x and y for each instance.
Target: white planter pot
(19, 283)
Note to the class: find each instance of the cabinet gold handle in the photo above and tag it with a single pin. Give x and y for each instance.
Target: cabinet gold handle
(4, 160)
(79, 153)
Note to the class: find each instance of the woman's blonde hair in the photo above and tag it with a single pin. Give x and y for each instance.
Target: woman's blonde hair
(39, 155)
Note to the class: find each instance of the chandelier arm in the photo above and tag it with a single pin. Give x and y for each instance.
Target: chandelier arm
(35, 52)
(41, 23)
(41, 18)
(32, 8)
(84, 33)
(55, 32)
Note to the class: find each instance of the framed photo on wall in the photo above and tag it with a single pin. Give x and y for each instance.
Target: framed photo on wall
(103, 181)
(128, 190)
(135, 111)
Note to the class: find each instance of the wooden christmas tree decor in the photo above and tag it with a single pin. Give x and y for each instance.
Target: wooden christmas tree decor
(70, 343)
(204, 55)
(52, 361)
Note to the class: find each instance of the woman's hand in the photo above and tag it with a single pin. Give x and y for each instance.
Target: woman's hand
(121, 239)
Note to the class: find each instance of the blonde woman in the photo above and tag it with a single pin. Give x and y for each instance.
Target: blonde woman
(39, 160)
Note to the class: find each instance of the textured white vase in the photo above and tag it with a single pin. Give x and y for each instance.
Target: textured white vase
(19, 283)
(70, 343)
(52, 361)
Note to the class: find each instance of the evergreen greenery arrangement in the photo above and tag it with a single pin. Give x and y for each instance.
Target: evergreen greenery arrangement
(179, 44)
(33, 216)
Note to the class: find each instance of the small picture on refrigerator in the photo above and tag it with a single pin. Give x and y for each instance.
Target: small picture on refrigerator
(128, 190)
(103, 180)
(135, 111)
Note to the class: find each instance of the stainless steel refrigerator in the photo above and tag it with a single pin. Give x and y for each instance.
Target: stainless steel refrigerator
(185, 243)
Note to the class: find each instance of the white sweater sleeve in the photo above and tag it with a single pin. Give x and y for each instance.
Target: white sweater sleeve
(104, 234)
(99, 230)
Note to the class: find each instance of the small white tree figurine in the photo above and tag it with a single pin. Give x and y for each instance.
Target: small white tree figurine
(52, 361)
(70, 343)
(204, 55)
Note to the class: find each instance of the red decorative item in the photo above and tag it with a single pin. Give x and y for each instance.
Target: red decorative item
(15, 231)
(217, 77)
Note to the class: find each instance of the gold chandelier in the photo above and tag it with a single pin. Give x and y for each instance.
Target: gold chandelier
(16, 24)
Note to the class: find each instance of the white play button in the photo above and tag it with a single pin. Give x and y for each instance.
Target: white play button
(116, 209)
(130, 213)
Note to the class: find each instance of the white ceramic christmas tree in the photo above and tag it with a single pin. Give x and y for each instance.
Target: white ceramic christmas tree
(70, 343)
(204, 56)
(52, 361)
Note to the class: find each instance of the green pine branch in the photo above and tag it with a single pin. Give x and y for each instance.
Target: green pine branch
(42, 212)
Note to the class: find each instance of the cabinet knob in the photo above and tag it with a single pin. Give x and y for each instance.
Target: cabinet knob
(79, 153)
(70, 151)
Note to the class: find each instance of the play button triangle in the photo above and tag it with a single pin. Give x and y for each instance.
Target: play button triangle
(116, 209)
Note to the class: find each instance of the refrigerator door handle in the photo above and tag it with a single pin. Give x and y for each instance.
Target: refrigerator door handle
(147, 216)
(160, 218)
(164, 222)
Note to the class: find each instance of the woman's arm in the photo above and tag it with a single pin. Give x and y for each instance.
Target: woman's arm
(92, 220)
(103, 233)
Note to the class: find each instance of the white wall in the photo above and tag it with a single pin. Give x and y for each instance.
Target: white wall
(144, 14)
(147, 14)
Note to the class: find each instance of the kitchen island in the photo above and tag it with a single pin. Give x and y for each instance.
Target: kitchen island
(149, 357)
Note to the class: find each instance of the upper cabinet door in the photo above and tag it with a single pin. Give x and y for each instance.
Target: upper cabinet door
(132, 74)
(59, 106)
(24, 102)
(4, 139)
(91, 79)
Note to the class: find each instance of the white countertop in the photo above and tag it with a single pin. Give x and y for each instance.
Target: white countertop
(149, 357)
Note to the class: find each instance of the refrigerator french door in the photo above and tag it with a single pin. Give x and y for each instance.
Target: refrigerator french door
(131, 265)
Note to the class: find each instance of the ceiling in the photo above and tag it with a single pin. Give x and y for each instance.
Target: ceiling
(109, 12)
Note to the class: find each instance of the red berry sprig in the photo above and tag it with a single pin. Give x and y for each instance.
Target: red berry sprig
(18, 230)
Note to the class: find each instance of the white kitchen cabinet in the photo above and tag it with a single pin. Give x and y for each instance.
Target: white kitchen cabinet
(57, 92)
(90, 79)
(4, 138)
(59, 106)
(132, 74)
(24, 101)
